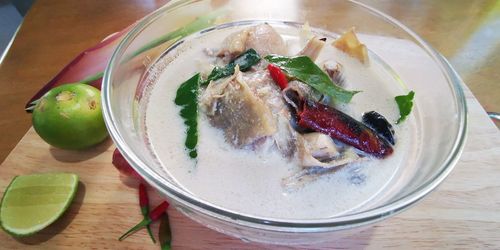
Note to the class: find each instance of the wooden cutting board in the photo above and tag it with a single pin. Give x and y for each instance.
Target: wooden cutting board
(464, 212)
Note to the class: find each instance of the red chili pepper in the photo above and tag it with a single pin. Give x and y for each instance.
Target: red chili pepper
(154, 215)
(123, 166)
(164, 233)
(278, 76)
(144, 204)
(340, 126)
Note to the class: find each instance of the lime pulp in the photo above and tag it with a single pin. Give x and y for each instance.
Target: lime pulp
(32, 202)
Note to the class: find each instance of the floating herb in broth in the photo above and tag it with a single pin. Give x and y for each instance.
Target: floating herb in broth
(246, 60)
(305, 70)
(247, 150)
(187, 99)
(405, 105)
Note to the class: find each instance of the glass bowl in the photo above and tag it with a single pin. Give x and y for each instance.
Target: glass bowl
(440, 110)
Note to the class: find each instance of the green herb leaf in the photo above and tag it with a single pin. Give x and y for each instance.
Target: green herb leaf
(187, 99)
(305, 70)
(405, 104)
(245, 61)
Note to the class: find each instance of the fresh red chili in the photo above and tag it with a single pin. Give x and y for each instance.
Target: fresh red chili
(154, 215)
(278, 76)
(123, 166)
(143, 197)
(158, 211)
(164, 233)
(144, 204)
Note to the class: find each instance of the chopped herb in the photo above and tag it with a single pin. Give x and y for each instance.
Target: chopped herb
(245, 61)
(405, 104)
(187, 99)
(305, 70)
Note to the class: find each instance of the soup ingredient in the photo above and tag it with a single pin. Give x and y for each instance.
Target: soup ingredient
(70, 117)
(278, 76)
(304, 69)
(340, 126)
(405, 104)
(319, 150)
(232, 106)
(349, 44)
(32, 202)
(335, 73)
(313, 48)
(187, 99)
(88, 67)
(123, 166)
(263, 38)
(144, 204)
(245, 61)
(378, 123)
(164, 233)
(154, 215)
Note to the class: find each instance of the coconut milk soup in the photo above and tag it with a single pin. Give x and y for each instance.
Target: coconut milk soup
(260, 151)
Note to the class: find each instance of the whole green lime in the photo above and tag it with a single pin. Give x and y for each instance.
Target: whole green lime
(70, 117)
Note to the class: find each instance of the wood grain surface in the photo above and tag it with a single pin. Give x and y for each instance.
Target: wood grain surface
(464, 212)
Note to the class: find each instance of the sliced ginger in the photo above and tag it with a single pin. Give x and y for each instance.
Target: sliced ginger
(349, 44)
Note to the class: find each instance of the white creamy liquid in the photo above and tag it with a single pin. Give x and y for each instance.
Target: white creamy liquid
(249, 182)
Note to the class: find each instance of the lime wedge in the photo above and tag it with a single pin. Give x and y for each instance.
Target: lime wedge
(32, 202)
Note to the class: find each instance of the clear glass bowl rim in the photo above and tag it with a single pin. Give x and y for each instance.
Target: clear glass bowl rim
(330, 224)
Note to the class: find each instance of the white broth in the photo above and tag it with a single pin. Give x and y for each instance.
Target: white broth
(250, 182)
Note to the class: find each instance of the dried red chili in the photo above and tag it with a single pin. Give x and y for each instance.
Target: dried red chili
(340, 126)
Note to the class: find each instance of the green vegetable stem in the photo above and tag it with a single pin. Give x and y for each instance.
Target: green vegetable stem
(144, 204)
(154, 215)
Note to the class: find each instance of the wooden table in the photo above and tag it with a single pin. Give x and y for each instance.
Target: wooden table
(463, 212)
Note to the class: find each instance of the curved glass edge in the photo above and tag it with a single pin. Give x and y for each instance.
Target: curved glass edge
(337, 223)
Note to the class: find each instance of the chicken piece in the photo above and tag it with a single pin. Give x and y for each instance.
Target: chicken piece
(312, 48)
(335, 71)
(263, 38)
(261, 83)
(312, 173)
(318, 150)
(349, 44)
(231, 106)
(234, 44)
(321, 146)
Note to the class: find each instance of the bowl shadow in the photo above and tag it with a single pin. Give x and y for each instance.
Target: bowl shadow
(60, 224)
